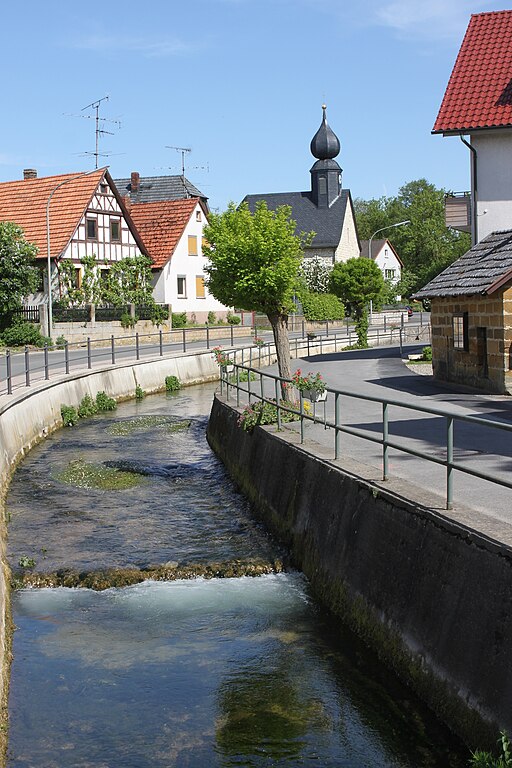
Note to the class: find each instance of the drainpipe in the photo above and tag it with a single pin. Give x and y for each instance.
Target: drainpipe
(474, 196)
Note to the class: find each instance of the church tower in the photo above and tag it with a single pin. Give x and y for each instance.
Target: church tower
(325, 173)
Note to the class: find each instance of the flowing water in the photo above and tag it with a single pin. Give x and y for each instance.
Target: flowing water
(217, 672)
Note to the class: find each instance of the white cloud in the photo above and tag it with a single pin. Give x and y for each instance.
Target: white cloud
(149, 48)
(435, 19)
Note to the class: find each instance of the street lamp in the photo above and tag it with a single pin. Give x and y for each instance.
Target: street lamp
(389, 226)
(49, 265)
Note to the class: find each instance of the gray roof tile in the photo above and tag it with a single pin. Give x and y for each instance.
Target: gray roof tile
(326, 222)
(155, 188)
(477, 272)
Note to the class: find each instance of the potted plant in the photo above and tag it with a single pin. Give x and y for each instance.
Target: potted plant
(223, 360)
(311, 385)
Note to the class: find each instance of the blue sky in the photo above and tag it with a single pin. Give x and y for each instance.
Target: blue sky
(241, 82)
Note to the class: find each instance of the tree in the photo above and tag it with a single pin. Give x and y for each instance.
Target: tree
(18, 274)
(357, 282)
(426, 246)
(254, 262)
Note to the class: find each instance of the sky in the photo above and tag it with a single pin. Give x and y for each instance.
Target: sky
(239, 82)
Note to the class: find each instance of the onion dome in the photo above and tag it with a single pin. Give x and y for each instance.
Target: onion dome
(325, 144)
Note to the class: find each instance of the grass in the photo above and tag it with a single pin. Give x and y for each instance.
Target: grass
(83, 474)
(141, 423)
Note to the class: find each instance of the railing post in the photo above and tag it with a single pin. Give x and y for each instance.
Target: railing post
(337, 417)
(301, 404)
(237, 386)
(278, 383)
(261, 386)
(27, 368)
(303, 329)
(326, 327)
(248, 385)
(66, 356)
(231, 335)
(9, 372)
(46, 363)
(137, 351)
(250, 357)
(184, 340)
(161, 342)
(225, 373)
(113, 349)
(89, 361)
(385, 436)
(449, 462)
(207, 336)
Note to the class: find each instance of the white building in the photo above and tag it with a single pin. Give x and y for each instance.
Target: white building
(385, 257)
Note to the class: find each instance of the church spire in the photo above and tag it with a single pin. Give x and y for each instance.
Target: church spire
(326, 173)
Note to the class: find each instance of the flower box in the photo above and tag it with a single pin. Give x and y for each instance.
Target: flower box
(314, 395)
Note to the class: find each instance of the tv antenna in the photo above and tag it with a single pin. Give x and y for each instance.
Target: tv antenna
(99, 129)
(184, 151)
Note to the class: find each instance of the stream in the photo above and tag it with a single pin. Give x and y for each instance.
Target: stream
(208, 651)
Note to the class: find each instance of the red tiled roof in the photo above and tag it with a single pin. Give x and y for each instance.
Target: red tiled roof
(479, 92)
(161, 224)
(24, 202)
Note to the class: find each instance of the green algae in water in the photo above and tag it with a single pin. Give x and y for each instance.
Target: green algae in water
(83, 474)
(143, 423)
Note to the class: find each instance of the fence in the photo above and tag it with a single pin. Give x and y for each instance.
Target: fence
(33, 365)
(267, 388)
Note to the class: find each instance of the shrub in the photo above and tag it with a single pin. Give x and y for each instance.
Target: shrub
(127, 321)
(139, 393)
(243, 376)
(87, 407)
(234, 319)
(105, 403)
(69, 415)
(159, 315)
(212, 318)
(481, 759)
(322, 306)
(61, 342)
(427, 353)
(22, 334)
(179, 319)
(266, 413)
(172, 384)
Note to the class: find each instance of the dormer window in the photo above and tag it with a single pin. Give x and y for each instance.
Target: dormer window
(103, 189)
(198, 215)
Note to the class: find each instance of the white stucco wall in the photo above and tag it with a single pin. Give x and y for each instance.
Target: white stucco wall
(348, 247)
(386, 260)
(188, 267)
(494, 179)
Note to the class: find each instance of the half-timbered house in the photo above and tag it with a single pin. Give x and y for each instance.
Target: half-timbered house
(70, 217)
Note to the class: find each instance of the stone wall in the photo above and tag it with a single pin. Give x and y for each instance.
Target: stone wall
(494, 313)
(429, 595)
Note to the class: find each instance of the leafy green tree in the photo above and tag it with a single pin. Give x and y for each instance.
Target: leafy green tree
(254, 264)
(357, 282)
(18, 274)
(426, 246)
(128, 281)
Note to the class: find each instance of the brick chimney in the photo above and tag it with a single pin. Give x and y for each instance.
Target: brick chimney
(134, 182)
(29, 173)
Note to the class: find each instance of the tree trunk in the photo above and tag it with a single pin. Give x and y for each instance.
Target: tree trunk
(279, 324)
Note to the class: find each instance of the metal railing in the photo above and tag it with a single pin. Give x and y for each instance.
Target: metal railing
(32, 365)
(267, 388)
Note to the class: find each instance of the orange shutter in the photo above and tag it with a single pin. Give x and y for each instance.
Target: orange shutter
(200, 287)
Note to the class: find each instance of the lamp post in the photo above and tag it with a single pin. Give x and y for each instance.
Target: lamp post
(389, 226)
(48, 250)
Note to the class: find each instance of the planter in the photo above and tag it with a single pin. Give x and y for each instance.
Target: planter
(314, 395)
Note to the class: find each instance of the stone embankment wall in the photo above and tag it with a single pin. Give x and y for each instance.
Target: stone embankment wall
(430, 596)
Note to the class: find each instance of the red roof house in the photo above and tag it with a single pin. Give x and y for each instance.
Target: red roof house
(478, 103)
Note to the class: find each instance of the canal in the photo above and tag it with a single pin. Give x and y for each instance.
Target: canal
(188, 661)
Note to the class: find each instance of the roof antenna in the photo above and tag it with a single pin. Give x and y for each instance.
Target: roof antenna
(183, 150)
(99, 130)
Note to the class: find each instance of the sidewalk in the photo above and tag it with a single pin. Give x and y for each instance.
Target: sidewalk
(381, 372)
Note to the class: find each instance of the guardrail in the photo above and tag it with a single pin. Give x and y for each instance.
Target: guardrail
(264, 381)
(34, 365)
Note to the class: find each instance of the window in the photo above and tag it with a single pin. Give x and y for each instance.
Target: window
(200, 293)
(103, 189)
(91, 228)
(460, 331)
(389, 274)
(198, 215)
(182, 287)
(192, 245)
(103, 275)
(115, 229)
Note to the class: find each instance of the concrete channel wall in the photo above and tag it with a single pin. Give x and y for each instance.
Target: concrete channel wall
(430, 596)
